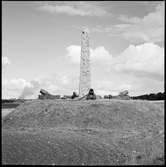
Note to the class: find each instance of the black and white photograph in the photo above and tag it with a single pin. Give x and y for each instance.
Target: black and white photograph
(83, 83)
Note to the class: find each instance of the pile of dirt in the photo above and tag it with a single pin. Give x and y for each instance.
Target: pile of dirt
(85, 114)
(58, 147)
(101, 132)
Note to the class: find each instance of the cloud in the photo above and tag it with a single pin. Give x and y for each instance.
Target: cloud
(100, 54)
(132, 20)
(30, 89)
(76, 8)
(133, 69)
(73, 53)
(105, 87)
(5, 61)
(97, 55)
(144, 60)
(150, 28)
(20, 88)
(13, 87)
(139, 69)
(55, 84)
(52, 84)
(15, 83)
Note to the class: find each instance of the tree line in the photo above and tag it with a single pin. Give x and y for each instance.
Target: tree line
(151, 96)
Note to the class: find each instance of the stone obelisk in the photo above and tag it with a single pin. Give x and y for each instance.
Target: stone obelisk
(85, 81)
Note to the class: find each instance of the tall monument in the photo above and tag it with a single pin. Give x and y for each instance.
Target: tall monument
(85, 81)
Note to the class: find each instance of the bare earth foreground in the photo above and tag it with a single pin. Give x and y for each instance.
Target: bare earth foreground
(100, 132)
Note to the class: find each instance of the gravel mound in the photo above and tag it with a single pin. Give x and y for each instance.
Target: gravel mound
(84, 114)
(100, 132)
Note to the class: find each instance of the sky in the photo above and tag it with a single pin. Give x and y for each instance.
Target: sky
(41, 44)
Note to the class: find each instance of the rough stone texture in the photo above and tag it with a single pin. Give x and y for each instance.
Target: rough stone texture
(85, 81)
(91, 95)
(47, 95)
(124, 93)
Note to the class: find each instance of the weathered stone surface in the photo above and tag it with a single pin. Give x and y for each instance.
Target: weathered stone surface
(124, 93)
(74, 95)
(44, 92)
(47, 95)
(91, 95)
(85, 81)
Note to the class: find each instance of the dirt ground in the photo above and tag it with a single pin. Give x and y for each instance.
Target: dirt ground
(100, 132)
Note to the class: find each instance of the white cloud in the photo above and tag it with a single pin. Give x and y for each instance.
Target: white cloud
(97, 55)
(150, 28)
(76, 8)
(100, 54)
(73, 53)
(52, 84)
(12, 88)
(133, 69)
(146, 59)
(5, 61)
(129, 19)
(15, 83)
(21, 88)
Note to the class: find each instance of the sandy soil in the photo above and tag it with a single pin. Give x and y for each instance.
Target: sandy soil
(101, 132)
